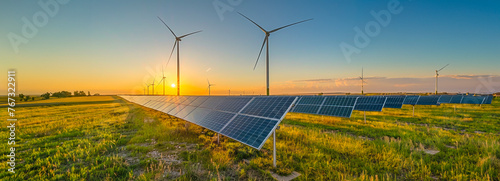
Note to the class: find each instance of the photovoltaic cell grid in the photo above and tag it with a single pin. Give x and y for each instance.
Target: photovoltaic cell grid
(411, 100)
(339, 106)
(473, 100)
(444, 99)
(428, 100)
(489, 99)
(370, 103)
(394, 102)
(456, 99)
(249, 120)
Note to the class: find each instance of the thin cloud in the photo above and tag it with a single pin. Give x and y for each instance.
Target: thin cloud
(469, 76)
(312, 80)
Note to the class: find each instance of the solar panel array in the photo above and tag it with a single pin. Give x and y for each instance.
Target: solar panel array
(445, 99)
(488, 100)
(428, 100)
(473, 100)
(456, 99)
(411, 100)
(394, 102)
(370, 103)
(249, 120)
(339, 106)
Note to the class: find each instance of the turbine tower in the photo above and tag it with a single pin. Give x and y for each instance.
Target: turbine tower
(147, 85)
(266, 42)
(209, 85)
(362, 82)
(153, 86)
(437, 75)
(162, 79)
(178, 39)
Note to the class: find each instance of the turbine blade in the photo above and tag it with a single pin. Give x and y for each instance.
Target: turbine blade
(253, 22)
(167, 26)
(262, 47)
(172, 52)
(190, 34)
(289, 25)
(159, 82)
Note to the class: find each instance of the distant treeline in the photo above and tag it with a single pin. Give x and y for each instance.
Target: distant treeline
(59, 94)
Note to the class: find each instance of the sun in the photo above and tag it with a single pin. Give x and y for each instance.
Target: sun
(173, 85)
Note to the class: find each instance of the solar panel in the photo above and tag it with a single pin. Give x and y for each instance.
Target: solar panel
(473, 100)
(411, 100)
(456, 99)
(488, 99)
(249, 120)
(339, 106)
(233, 104)
(252, 131)
(428, 100)
(308, 109)
(337, 111)
(184, 112)
(215, 120)
(212, 102)
(370, 103)
(445, 99)
(274, 107)
(394, 102)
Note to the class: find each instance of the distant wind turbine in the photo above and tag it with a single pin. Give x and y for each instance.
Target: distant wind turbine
(147, 85)
(209, 85)
(162, 79)
(153, 86)
(178, 39)
(362, 82)
(437, 75)
(266, 42)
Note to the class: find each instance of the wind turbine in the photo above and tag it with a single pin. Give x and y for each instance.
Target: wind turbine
(266, 42)
(362, 82)
(147, 85)
(178, 39)
(162, 79)
(437, 75)
(209, 85)
(153, 86)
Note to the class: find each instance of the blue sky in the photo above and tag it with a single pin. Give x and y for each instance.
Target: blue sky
(116, 46)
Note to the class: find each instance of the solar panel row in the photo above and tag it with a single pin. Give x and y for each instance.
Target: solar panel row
(428, 100)
(394, 102)
(411, 100)
(339, 106)
(370, 103)
(249, 120)
(473, 100)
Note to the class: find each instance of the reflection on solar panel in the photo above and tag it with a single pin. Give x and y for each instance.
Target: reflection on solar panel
(411, 100)
(456, 99)
(445, 99)
(370, 103)
(249, 120)
(394, 102)
(428, 100)
(473, 100)
(488, 99)
(339, 106)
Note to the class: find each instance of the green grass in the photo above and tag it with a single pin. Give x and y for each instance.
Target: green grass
(106, 138)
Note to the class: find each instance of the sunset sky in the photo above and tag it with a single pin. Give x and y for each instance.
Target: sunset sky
(115, 47)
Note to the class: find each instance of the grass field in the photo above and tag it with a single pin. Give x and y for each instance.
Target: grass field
(106, 138)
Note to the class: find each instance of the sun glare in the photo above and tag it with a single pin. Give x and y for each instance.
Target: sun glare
(173, 85)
